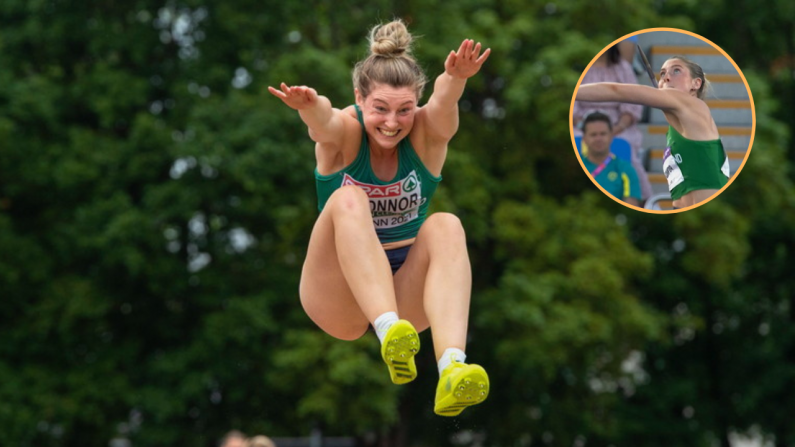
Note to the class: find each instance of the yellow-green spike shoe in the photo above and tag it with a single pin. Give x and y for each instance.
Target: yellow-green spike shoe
(460, 386)
(401, 344)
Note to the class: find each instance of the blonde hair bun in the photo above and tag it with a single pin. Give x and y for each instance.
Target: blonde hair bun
(390, 61)
(390, 40)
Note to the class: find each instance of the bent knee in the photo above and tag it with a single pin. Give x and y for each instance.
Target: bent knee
(343, 330)
(339, 328)
(348, 333)
(339, 320)
(445, 225)
(350, 199)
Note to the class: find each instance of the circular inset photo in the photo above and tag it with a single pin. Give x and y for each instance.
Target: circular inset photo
(662, 120)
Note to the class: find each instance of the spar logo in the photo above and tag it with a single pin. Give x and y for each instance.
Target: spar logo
(394, 204)
(411, 182)
(392, 190)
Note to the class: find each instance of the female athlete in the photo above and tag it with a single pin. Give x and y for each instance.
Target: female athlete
(695, 162)
(374, 253)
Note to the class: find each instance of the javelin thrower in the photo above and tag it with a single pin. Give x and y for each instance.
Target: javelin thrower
(695, 163)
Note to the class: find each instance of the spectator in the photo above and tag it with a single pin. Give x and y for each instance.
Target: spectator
(234, 438)
(260, 441)
(627, 48)
(612, 173)
(610, 67)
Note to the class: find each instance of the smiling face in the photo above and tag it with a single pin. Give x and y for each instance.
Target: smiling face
(675, 74)
(388, 114)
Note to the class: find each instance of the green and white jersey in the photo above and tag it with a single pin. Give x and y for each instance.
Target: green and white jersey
(693, 165)
(398, 206)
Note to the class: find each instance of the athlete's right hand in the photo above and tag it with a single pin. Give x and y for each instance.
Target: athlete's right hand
(298, 98)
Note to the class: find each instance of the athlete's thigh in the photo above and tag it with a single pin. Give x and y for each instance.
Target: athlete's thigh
(410, 284)
(325, 294)
(440, 233)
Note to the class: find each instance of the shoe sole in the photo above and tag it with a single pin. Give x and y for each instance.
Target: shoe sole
(401, 344)
(471, 387)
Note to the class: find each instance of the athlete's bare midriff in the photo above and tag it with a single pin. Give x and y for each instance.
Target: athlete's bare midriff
(694, 197)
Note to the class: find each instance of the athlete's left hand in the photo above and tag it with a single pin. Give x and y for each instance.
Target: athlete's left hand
(465, 62)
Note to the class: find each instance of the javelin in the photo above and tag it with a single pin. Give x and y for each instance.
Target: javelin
(648, 67)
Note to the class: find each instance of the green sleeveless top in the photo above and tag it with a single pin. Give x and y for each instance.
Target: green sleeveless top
(399, 206)
(692, 165)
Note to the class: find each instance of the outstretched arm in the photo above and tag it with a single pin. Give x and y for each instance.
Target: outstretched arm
(324, 122)
(665, 99)
(442, 108)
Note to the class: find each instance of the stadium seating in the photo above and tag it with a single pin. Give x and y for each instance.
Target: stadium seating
(659, 202)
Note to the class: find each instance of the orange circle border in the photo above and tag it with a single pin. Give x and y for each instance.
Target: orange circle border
(733, 177)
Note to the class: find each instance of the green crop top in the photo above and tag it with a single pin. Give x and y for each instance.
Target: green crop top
(691, 165)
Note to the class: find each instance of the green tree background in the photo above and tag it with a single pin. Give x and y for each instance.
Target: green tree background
(156, 202)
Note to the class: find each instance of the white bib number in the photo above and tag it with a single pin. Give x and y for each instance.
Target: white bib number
(394, 204)
(671, 169)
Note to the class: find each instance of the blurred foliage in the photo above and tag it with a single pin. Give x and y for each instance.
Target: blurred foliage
(156, 202)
